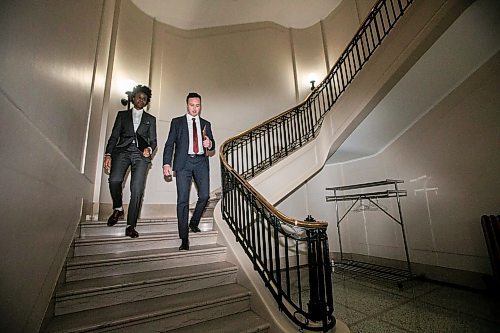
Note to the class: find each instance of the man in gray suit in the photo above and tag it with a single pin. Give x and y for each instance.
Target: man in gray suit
(189, 140)
(131, 144)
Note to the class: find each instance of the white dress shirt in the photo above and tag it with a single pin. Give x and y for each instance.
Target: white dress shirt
(189, 119)
(136, 117)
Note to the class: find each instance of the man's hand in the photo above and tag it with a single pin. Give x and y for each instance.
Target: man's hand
(107, 163)
(146, 152)
(167, 170)
(206, 142)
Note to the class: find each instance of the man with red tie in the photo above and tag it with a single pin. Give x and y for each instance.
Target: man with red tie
(189, 140)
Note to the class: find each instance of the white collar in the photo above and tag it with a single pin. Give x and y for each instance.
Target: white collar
(189, 117)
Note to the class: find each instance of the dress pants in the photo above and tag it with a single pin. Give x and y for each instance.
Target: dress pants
(121, 161)
(196, 168)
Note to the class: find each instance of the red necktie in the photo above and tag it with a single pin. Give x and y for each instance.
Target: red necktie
(195, 137)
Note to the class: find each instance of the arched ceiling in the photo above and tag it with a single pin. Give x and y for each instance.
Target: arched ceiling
(195, 14)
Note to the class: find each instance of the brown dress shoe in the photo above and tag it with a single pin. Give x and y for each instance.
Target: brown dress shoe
(113, 219)
(130, 231)
(185, 245)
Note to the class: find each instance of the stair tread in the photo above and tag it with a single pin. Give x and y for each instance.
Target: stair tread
(123, 223)
(123, 313)
(142, 254)
(143, 237)
(243, 322)
(113, 282)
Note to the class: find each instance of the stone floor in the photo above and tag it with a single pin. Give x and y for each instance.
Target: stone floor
(376, 306)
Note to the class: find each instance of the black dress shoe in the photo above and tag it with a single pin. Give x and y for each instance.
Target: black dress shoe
(113, 219)
(185, 245)
(194, 228)
(130, 231)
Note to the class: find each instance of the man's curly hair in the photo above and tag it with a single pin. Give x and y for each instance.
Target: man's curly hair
(141, 89)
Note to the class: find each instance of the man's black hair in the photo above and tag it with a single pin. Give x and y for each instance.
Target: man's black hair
(141, 89)
(193, 95)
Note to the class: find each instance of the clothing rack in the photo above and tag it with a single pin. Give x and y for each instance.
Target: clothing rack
(349, 193)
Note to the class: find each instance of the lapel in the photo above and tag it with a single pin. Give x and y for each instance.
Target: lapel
(129, 121)
(203, 123)
(184, 127)
(144, 122)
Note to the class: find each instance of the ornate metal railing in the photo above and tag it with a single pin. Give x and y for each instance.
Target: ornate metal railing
(292, 256)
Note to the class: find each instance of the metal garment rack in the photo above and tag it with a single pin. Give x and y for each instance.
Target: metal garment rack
(347, 193)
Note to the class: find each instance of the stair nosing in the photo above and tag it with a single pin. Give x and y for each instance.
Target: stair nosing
(156, 221)
(75, 292)
(260, 325)
(145, 255)
(241, 294)
(156, 236)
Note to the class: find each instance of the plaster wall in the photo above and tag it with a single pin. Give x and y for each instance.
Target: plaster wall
(341, 25)
(245, 73)
(49, 108)
(62, 64)
(449, 162)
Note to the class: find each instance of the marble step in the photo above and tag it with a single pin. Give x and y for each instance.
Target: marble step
(146, 241)
(207, 213)
(113, 264)
(211, 202)
(243, 322)
(158, 314)
(101, 292)
(100, 228)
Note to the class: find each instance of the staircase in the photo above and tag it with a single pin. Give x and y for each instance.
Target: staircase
(117, 284)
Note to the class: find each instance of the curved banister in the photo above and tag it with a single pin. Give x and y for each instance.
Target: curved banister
(291, 255)
(270, 207)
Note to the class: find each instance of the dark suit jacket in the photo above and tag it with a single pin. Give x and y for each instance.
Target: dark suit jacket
(177, 144)
(123, 132)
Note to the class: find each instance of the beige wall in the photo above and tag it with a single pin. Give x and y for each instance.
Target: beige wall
(245, 74)
(49, 105)
(310, 58)
(449, 162)
(61, 63)
(341, 25)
